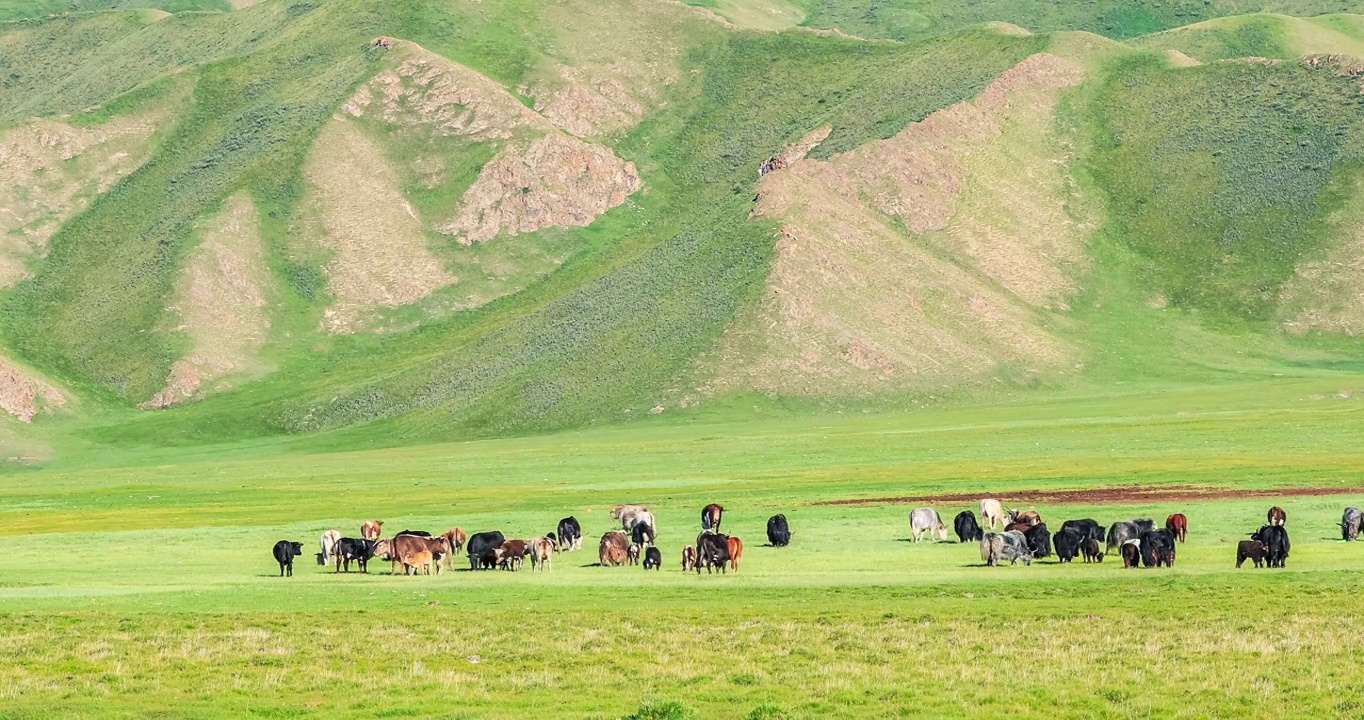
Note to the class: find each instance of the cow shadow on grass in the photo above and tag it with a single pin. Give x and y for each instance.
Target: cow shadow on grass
(927, 541)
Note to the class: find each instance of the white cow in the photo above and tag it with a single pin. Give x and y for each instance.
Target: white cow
(328, 544)
(991, 512)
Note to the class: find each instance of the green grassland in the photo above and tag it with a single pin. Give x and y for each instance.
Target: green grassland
(174, 607)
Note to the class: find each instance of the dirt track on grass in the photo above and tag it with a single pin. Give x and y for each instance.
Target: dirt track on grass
(1122, 494)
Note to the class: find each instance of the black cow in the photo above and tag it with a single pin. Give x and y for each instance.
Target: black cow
(712, 551)
(653, 559)
(1143, 525)
(1039, 540)
(1092, 549)
(642, 534)
(968, 530)
(778, 532)
(1158, 548)
(1086, 528)
(418, 533)
(1121, 532)
(482, 548)
(570, 533)
(1275, 537)
(285, 552)
(1068, 541)
(354, 549)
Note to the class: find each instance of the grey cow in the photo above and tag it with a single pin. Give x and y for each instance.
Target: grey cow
(1349, 524)
(926, 520)
(1011, 546)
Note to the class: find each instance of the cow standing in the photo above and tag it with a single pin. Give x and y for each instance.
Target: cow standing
(778, 532)
(688, 558)
(991, 513)
(570, 534)
(1029, 517)
(370, 529)
(653, 559)
(406, 545)
(736, 552)
(1009, 545)
(712, 552)
(968, 530)
(1178, 525)
(1157, 548)
(1067, 541)
(1087, 528)
(541, 554)
(1350, 522)
(1039, 540)
(614, 549)
(1093, 550)
(356, 550)
(710, 517)
(285, 552)
(455, 538)
(511, 554)
(328, 544)
(642, 535)
(1121, 532)
(1252, 550)
(926, 520)
(632, 554)
(1131, 553)
(1275, 537)
(1277, 517)
(482, 549)
(632, 515)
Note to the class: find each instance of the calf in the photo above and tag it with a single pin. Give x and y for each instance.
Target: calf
(1275, 537)
(570, 534)
(642, 534)
(736, 552)
(1067, 541)
(1157, 548)
(1252, 550)
(354, 549)
(688, 558)
(328, 543)
(968, 530)
(420, 562)
(1039, 541)
(541, 553)
(614, 548)
(653, 559)
(926, 520)
(1350, 522)
(712, 552)
(1178, 525)
(482, 548)
(991, 512)
(632, 554)
(778, 532)
(511, 554)
(370, 529)
(1093, 550)
(1131, 553)
(1277, 516)
(285, 552)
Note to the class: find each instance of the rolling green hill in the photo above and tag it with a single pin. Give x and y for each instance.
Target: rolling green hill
(384, 223)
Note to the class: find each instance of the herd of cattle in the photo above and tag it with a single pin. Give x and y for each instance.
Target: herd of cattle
(419, 551)
(1023, 536)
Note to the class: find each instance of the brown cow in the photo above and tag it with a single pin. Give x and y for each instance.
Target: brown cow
(1019, 526)
(688, 558)
(511, 554)
(710, 517)
(1254, 550)
(370, 529)
(736, 552)
(406, 545)
(614, 548)
(455, 538)
(542, 551)
(420, 562)
(1029, 517)
(1277, 516)
(1178, 525)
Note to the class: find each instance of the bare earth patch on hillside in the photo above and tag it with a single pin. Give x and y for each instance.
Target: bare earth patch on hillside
(379, 253)
(51, 171)
(918, 261)
(23, 395)
(553, 181)
(221, 305)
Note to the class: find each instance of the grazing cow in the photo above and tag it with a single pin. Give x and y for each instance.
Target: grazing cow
(356, 549)
(967, 528)
(1010, 545)
(455, 538)
(688, 558)
(632, 515)
(1067, 541)
(710, 517)
(1131, 553)
(1039, 540)
(1157, 548)
(511, 554)
(632, 553)
(778, 532)
(370, 529)
(405, 545)
(1277, 516)
(991, 513)
(712, 552)
(1024, 516)
(541, 553)
(1087, 528)
(1254, 550)
(926, 520)
(1349, 524)
(1275, 537)
(420, 562)
(642, 534)
(614, 548)
(482, 549)
(1178, 525)
(653, 559)
(1121, 532)
(570, 534)
(285, 552)
(1093, 550)
(736, 552)
(328, 543)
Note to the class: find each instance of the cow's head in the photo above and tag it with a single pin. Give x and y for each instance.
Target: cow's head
(297, 548)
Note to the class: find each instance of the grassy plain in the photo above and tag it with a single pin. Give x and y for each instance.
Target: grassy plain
(171, 607)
